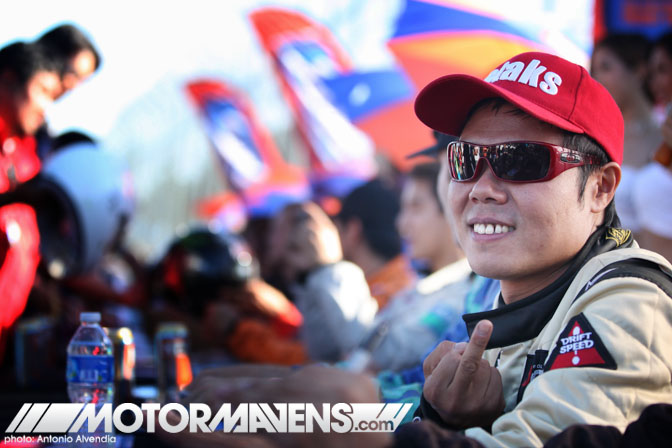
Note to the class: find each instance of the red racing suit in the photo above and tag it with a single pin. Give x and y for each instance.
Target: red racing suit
(19, 235)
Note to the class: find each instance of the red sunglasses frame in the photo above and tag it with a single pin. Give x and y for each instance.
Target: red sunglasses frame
(561, 159)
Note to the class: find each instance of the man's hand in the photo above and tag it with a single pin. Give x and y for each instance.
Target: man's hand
(462, 386)
(314, 240)
(302, 238)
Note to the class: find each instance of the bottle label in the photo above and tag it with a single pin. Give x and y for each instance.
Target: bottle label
(90, 369)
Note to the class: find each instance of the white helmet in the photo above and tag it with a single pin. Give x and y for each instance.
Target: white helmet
(95, 192)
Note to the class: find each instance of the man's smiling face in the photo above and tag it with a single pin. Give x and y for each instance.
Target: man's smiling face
(536, 228)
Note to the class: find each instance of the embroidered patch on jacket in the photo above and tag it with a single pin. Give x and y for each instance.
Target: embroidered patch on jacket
(534, 366)
(620, 236)
(579, 346)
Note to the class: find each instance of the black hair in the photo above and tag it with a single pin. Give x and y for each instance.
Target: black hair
(376, 206)
(21, 61)
(64, 42)
(632, 49)
(578, 142)
(586, 145)
(428, 172)
(665, 42)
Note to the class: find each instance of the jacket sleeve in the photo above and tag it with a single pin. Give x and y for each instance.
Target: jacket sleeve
(633, 320)
(337, 310)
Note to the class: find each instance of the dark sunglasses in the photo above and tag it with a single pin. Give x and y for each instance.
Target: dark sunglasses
(514, 161)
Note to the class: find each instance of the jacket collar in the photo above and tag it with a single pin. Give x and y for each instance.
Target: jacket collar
(524, 319)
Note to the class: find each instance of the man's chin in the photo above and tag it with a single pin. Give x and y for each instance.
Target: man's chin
(496, 271)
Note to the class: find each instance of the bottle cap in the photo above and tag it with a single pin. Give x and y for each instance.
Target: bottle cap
(90, 317)
(172, 330)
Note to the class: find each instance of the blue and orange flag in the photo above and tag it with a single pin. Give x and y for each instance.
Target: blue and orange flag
(433, 38)
(327, 96)
(260, 179)
(439, 37)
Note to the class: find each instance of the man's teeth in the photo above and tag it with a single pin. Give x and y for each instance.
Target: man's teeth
(489, 229)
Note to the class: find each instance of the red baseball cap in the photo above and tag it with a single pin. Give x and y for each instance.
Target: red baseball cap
(545, 86)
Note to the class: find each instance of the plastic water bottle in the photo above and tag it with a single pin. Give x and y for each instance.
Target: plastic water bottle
(90, 375)
(90, 370)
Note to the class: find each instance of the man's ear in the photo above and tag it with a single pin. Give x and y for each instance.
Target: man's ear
(606, 180)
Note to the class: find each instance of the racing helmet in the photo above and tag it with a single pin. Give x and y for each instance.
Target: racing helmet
(84, 194)
(197, 264)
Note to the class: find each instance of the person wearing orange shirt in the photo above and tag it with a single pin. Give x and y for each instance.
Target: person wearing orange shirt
(371, 240)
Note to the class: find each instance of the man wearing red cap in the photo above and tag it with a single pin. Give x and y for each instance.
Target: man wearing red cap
(581, 333)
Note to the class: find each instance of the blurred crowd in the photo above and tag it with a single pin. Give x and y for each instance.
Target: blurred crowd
(637, 74)
(371, 288)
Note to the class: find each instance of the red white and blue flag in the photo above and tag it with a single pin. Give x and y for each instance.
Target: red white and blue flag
(261, 180)
(327, 95)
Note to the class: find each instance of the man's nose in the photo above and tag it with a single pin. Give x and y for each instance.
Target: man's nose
(486, 187)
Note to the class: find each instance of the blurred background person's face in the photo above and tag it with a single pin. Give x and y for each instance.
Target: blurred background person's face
(421, 222)
(661, 76)
(607, 68)
(81, 67)
(32, 102)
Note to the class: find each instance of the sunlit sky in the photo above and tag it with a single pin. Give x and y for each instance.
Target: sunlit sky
(143, 42)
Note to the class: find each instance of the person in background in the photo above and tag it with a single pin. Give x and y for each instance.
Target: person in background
(620, 63)
(72, 52)
(422, 222)
(75, 58)
(28, 84)
(651, 193)
(80, 202)
(416, 318)
(331, 293)
(660, 78)
(209, 281)
(370, 239)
